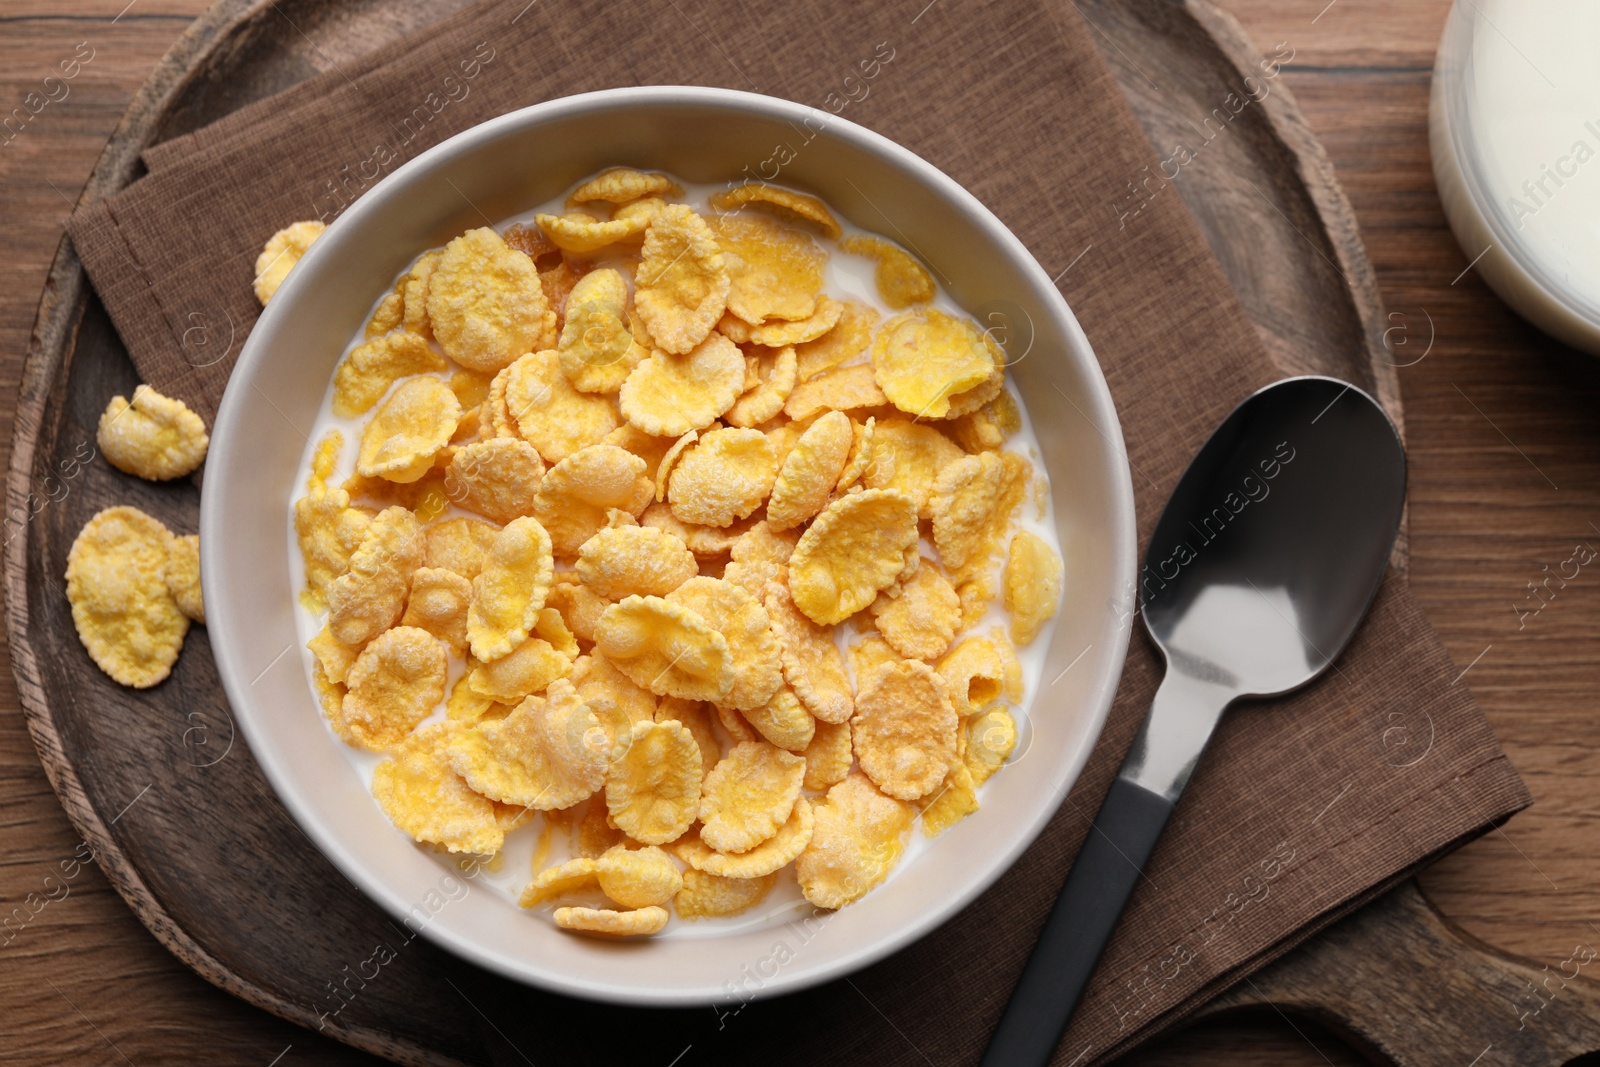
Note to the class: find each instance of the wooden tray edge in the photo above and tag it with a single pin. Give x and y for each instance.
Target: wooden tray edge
(1337, 218)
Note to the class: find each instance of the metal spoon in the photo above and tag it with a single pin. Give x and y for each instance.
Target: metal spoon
(1264, 563)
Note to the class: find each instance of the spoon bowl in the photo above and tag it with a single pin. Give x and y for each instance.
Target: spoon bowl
(1273, 545)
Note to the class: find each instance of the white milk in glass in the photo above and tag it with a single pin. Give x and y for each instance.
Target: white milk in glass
(1515, 130)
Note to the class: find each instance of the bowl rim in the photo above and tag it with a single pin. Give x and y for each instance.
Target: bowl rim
(228, 647)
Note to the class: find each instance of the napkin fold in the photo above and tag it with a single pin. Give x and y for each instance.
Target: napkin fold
(1303, 808)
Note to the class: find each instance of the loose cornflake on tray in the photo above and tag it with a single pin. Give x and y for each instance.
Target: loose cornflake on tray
(153, 437)
(124, 613)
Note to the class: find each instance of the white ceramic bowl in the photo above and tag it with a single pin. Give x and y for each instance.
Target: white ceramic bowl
(503, 167)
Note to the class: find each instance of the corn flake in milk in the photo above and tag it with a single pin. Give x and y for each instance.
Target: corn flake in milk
(632, 477)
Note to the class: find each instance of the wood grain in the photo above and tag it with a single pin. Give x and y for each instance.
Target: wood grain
(221, 899)
(1484, 522)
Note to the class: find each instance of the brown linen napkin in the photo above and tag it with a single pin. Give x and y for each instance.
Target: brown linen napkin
(1304, 808)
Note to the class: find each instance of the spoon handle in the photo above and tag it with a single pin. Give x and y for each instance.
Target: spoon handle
(1107, 869)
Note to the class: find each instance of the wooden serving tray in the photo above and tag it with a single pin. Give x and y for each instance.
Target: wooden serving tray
(187, 828)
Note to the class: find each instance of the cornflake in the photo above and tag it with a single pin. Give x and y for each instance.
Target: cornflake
(414, 290)
(641, 878)
(438, 604)
(1032, 581)
(603, 922)
(742, 622)
(974, 674)
(859, 836)
(181, 572)
(124, 615)
(811, 661)
(617, 701)
(921, 619)
(810, 471)
(329, 531)
(839, 389)
(580, 606)
(549, 413)
(369, 370)
(784, 721)
(369, 597)
(510, 589)
(847, 340)
(738, 728)
(532, 242)
(774, 272)
(562, 880)
(748, 796)
(154, 437)
(723, 477)
(582, 233)
(781, 333)
(669, 459)
(497, 415)
(681, 286)
(594, 832)
(548, 753)
(770, 855)
(531, 666)
(973, 498)
(499, 478)
(622, 184)
(786, 204)
(902, 281)
(975, 593)
(922, 359)
(987, 428)
(856, 547)
(871, 651)
(954, 800)
(408, 431)
(391, 313)
(634, 559)
(919, 453)
(784, 434)
(596, 351)
(773, 371)
(670, 395)
(393, 685)
(465, 704)
(991, 737)
(458, 544)
(578, 492)
(428, 801)
(485, 304)
(864, 458)
(558, 281)
(828, 756)
(904, 729)
(706, 896)
(666, 648)
(692, 715)
(283, 250)
(653, 792)
(706, 542)
(758, 557)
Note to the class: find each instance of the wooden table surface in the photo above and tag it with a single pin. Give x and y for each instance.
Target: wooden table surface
(1504, 442)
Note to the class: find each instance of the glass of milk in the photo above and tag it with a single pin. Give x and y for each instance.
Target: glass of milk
(1515, 131)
